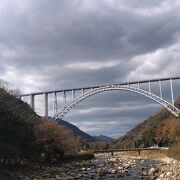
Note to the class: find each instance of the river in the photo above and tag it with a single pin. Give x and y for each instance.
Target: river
(103, 166)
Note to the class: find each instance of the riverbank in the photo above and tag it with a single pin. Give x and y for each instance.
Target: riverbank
(121, 166)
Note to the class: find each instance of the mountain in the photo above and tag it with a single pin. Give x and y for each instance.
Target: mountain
(162, 129)
(76, 131)
(104, 138)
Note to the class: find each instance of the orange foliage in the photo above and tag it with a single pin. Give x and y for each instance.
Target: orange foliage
(169, 128)
(51, 136)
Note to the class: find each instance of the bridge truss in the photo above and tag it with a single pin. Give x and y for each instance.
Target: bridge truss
(87, 92)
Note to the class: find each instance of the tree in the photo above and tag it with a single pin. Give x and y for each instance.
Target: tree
(54, 140)
(167, 132)
(98, 145)
(17, 121)
(7, 87)
(147, 138)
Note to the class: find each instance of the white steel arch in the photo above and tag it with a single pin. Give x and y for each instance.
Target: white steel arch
(170, 107)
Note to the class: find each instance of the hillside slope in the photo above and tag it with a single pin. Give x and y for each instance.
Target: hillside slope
(162, 128)
(104, 138)
(25, 135)
(76, 131)
(16, 126)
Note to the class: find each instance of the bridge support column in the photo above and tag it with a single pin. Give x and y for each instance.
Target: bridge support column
(55, 103)
(73, 94)
(46, 105)
(82, 91)
(139, 85)
(172, 94)
(32, 101)
(160, 88)
(64, 98)
(150, 86)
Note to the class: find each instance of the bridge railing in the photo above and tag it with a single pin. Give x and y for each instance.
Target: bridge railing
(85, 92)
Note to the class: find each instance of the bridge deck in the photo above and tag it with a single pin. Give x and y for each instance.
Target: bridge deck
(85, 88)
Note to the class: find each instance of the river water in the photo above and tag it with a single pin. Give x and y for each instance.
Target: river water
(104, 166)
(114, 168)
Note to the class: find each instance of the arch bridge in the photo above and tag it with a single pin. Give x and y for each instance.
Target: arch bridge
(86, 92)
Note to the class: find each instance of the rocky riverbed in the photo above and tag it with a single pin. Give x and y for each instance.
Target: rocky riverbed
(104, 167)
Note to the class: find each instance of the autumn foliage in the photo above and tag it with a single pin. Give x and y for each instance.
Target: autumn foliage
(162, 129)
(55, 140)
(167, 132)
(25, 135)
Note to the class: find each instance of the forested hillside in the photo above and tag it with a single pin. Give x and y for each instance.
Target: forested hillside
(17, 121)
(162, 129)
(25, 135)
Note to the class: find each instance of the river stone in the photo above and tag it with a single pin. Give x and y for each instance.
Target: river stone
(62, 174)
(113, 171)
(47, 175)
(126, 171)
(120, 168)
(78, 176)
(162, 175)
(24, 178)
(144, 168)
(142, 161)
(57, 177)
(68, 178)
(144, 173)
(168, 173)
(151, 171)
(100, 165)
(113, 159)
(126, 165)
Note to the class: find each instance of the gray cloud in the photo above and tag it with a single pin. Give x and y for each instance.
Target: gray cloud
(65, 29)
(45, 45)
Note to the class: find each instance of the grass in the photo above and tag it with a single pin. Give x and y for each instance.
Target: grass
(174, 152)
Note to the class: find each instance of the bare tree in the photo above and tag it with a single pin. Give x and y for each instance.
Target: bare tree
(8, 88)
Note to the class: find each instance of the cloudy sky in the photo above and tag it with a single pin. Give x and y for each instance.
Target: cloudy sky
(56, 44)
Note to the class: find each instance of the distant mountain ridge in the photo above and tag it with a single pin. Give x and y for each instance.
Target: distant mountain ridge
(76, 131)
(104, 138)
